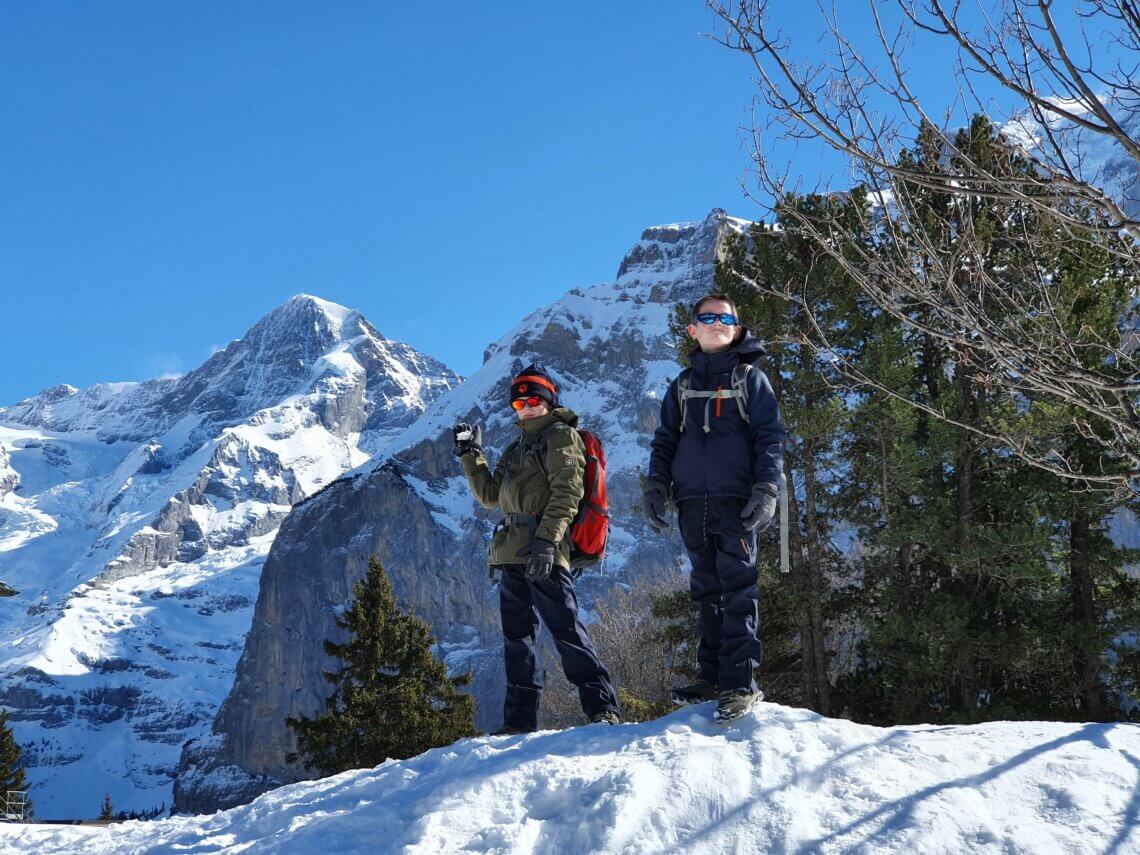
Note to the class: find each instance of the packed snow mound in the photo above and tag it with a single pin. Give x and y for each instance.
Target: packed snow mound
(777, 780)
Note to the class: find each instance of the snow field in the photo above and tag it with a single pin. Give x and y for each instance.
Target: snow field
(778, 780)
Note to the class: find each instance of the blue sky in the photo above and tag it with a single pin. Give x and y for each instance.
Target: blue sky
(171, 172)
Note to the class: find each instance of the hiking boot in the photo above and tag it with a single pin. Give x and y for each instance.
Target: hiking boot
(508, 731)
(735, 703)
(697, 693)
(607, 717)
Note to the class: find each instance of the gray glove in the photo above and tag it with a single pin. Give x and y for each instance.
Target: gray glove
(761, 507)
(541, 561)
(653, 506)
(467, 439)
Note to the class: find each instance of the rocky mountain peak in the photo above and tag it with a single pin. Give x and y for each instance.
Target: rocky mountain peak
(666, 253)
(134, 522)
(302, 325)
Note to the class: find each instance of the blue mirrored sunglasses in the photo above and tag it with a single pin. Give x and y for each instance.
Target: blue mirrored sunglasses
(708, 318)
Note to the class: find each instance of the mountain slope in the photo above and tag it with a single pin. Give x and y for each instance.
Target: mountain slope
(135, 519)
(778, 780)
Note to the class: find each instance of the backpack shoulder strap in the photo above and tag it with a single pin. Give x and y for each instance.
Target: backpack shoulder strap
(684, 386)
(543, 441)
(740, 387)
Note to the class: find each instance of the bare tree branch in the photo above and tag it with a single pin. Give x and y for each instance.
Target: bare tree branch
(943, 281)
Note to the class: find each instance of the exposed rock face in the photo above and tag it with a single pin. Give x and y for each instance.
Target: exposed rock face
(135, 520)
(176, 534)
(609, 348)
(319, 554)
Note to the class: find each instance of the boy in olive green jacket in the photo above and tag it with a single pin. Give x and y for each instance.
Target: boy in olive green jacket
(538, 484)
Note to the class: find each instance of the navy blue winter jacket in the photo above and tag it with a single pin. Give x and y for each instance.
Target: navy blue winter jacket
(733, 455)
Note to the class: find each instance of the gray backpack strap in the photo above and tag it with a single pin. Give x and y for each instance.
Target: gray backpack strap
(738, 390)
(785, 555)
(683, 392)
(740, 387)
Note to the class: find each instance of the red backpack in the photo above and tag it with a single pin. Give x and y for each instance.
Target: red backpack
(591, 525)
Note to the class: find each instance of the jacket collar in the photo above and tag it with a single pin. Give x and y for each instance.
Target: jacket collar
(559, 414)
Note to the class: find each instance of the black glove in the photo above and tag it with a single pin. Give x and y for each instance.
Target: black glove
(653, 506)
(761, 507)
(541, 561)
(467, 439)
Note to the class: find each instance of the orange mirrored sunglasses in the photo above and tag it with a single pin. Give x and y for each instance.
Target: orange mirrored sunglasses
(532, 401)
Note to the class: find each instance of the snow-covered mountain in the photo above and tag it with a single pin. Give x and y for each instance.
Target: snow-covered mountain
(1097, 158)
(610, 349)
(777, 780)
(134, 522)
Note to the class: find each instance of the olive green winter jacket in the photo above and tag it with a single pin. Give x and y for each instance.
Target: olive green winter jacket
(520, 486)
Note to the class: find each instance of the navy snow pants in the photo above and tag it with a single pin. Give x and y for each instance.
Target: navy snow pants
(725, 585)
(520, 605)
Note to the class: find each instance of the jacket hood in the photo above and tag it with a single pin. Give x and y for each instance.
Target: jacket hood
(746, 349)
(749, 348)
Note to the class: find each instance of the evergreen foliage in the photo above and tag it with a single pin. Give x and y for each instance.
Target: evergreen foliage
(392, 698)
(984, 585)
(148, 813)
(979, 587)
(107, 813)
(11, 770)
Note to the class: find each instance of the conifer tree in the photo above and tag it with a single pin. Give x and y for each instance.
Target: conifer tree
(391, 698)
(11, 771)
(977, 581)
(982, 587)
(107, 813)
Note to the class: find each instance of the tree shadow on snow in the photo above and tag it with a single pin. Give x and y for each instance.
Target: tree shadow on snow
(895, 816)
(1131, 813)
(898, 815)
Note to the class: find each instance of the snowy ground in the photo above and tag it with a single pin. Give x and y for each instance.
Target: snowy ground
(780, 780)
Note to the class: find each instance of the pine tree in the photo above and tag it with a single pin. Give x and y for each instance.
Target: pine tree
(982, 580)
(107, 813)
(11, 770)
(392, 698)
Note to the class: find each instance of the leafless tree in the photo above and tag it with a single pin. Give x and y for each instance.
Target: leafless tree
(1070, 103)
(627, 637)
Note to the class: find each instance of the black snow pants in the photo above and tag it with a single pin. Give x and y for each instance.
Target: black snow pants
(725, 585)
(520, 605)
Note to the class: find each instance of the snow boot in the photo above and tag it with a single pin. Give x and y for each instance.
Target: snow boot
(735, 703)
(508, 731)
(697, 693)
(607, 717)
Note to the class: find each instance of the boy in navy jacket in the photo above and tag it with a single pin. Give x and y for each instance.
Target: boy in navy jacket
(718, 452)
